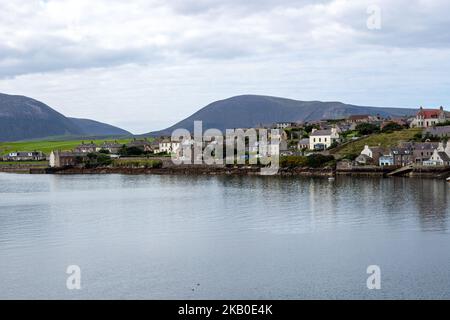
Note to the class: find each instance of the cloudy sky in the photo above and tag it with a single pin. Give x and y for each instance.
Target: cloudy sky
(145, 64)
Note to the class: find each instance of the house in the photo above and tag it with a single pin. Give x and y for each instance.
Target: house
(86, 147)
(359, 118)
(111, 147)
(402, 156)
(284, 125)
(441, 132)
(386, 160)
(323, 139)
(58, 159)
(303, 144)
(169, 146)
(364, 159)
(24, 156)
(143, 144)
(439, 158)
(372, 152)
(422, 151)
(426, 118)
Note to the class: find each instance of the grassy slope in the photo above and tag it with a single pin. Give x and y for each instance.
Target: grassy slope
(45, 146)
(382, 139)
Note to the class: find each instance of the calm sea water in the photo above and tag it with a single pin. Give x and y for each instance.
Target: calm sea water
(178, 237)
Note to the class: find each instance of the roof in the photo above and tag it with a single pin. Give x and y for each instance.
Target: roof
(438, 130)
(444, 156)
(316, 133)
(304, 141)
(359, 117)
(429, 113)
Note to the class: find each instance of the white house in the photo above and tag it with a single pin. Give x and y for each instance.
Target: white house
(426, 118)
(440, 157)
(169, 146)
(323, 139)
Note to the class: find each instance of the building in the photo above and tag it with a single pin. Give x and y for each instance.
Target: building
(143, 144)
(86, 147)
(323, 139)
(402, 156)
(439, 158)
(24, 156)
(372, 152)
(426, 118)
(441, 132)
(284, 125)
(169, 146)
(386, 160)
(303, 144)
(111, 147)
(59, 159)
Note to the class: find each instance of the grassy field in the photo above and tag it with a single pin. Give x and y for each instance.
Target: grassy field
(45, 146)
(382, 139)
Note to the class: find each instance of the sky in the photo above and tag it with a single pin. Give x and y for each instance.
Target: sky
(145, 64)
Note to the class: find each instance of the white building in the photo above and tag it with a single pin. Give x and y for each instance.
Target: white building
(426, 118)
(169, 146)
(323, 139)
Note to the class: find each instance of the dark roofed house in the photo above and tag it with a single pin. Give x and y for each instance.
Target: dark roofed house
(441, 131)
(86, 147)
(143, 144)
(112, 147)
(24, 156)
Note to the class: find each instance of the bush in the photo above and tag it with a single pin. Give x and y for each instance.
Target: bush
(391, 127)
(130, 151)
(313, 161)
(367, 128)
(146, 164)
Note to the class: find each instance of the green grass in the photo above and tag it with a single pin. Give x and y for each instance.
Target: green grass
(46, 146)
(14, 163)
(382, 139)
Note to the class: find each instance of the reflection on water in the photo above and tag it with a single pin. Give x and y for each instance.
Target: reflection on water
(241, 237)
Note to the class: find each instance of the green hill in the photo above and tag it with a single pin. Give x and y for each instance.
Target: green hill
(381, 139)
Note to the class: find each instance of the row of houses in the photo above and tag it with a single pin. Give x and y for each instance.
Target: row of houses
(422, 153)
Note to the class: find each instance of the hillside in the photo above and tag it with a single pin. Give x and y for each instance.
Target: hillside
(95, 128)
(23, 118)
(381, 139)
(252, 110)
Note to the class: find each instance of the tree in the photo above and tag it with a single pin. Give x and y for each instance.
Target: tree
(367, 128)
(391, 127)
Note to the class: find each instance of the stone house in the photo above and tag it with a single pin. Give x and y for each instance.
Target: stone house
(86, 147)
(59, 159)
(112, 147)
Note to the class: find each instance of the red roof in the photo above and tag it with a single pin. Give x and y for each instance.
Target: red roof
(429, 113)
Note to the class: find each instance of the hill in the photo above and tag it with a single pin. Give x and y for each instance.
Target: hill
(252, 110)
(23, 118)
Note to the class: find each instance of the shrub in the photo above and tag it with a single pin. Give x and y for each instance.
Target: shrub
(137, 164)
(391, 127)
(367, 128)
(313, 161)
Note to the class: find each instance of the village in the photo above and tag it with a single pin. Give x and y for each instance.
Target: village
(329, 141)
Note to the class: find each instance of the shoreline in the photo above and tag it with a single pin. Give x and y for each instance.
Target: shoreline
(429, 172)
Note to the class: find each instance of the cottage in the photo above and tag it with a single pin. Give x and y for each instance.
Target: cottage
(143, 144)
(169, 146)
(441, 132)
(386, 160)
(111, 147)
(372, 152)
(323, 139)
(60, 159)
(439, 158)
(426, 118)
(86, 147)
(303, 144)
(24, 156)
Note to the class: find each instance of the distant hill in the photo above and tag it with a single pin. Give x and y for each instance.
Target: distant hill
(252, 110)
(24, 118)
(95, 128)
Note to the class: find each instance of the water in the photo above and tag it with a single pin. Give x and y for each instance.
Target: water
(178, 237)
